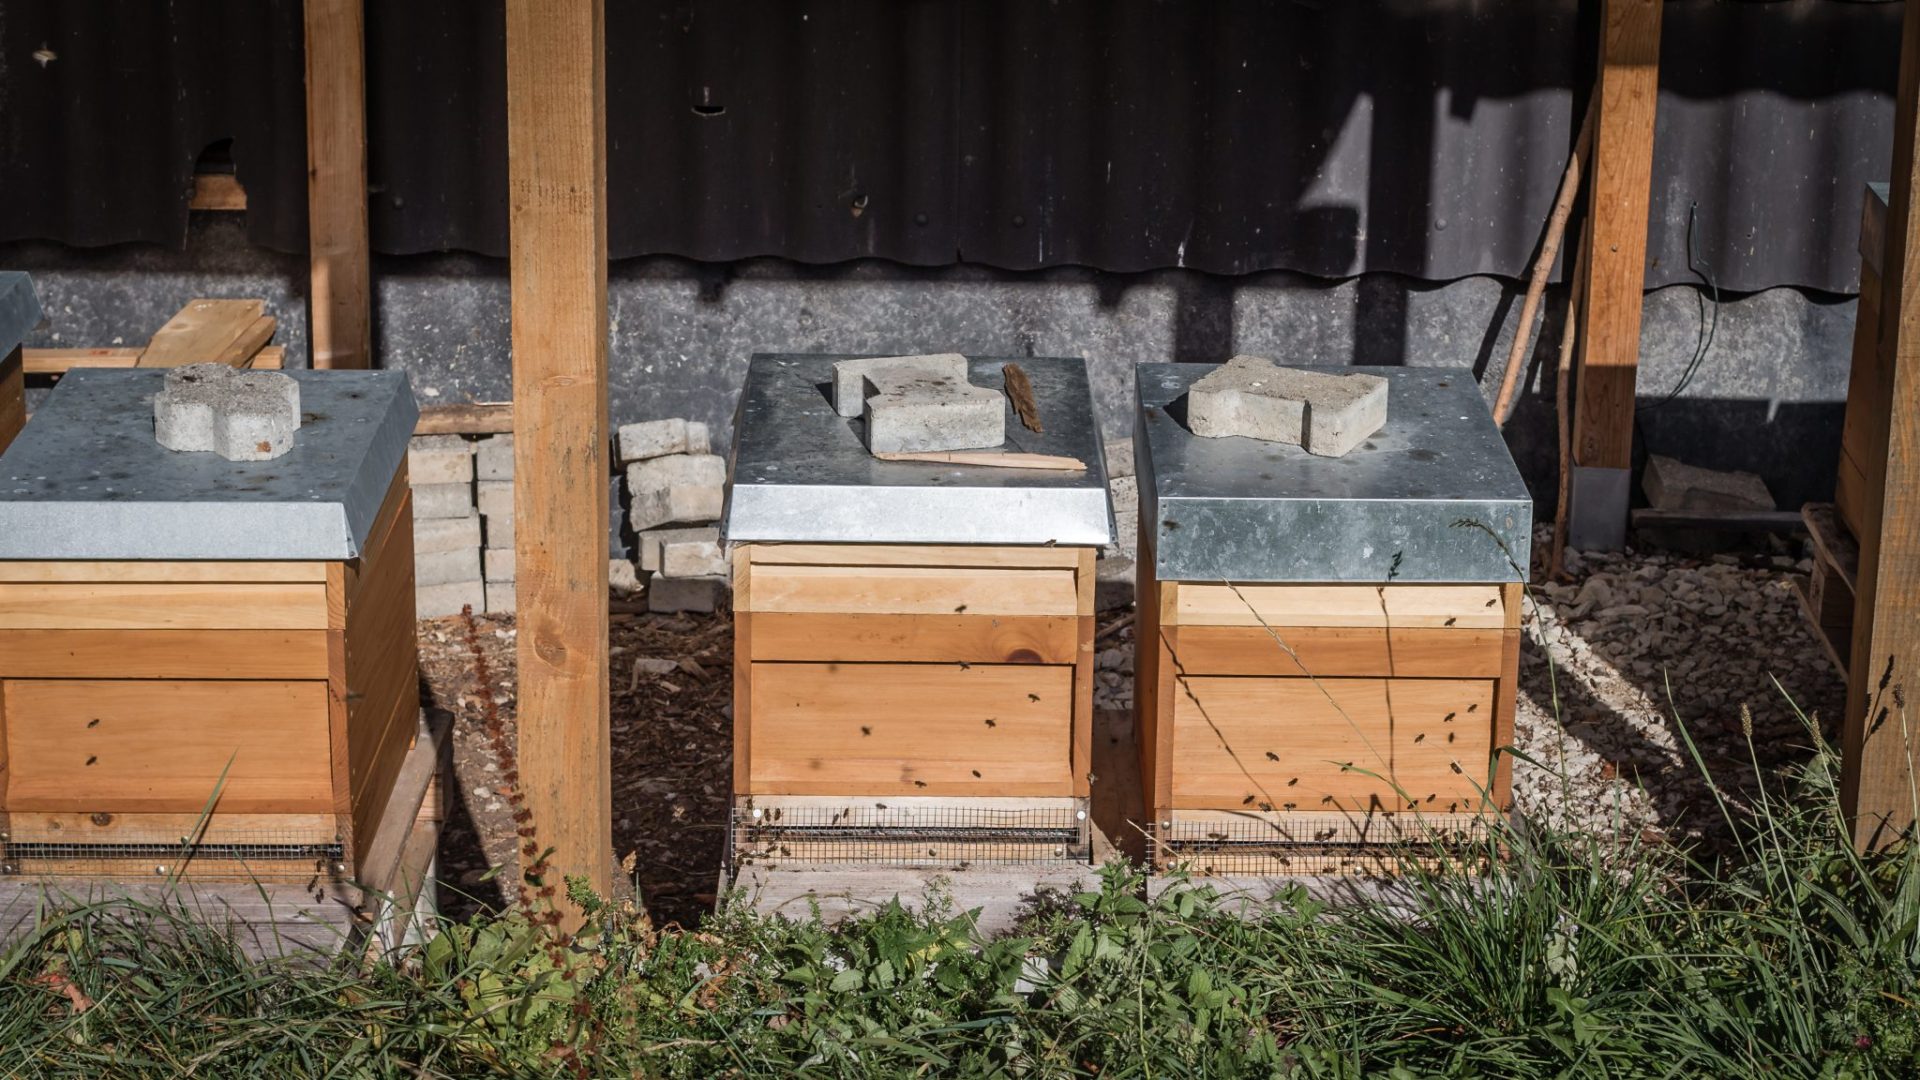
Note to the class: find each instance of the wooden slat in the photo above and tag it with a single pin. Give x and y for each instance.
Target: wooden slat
(985, 639)
(914, 590)
(383, 701)
(1341, 650)
(217, 191)
(1863, 433)
(13, 396)
(557, 240)
(476, 418)
(1880, 737)
(913, 555)
(1309, 744)
(1462, 607)
(61, 361)
(339, 298)
(1609, 355)
(743, 646)
(911, 729)
(269, 358)
(202, 332)
(240, 351)
(105, 827)
(159, 745)
(117, 573)
(1083, 679)
(163, 654)
(110, 605)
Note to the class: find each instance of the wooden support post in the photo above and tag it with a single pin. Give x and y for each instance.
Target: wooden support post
(1616, 270)
(1878, 738)
(13, 395)
(557, 183)
(339, 299)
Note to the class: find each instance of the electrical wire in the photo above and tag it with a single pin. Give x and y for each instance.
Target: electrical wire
(1709, 326)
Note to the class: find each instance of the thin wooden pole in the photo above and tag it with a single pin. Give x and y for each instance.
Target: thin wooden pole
(557, 184)
(1609, 346)
(339, 297)
(1878, 739)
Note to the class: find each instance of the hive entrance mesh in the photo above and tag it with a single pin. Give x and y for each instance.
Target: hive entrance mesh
(877, 832)
(1279, 845)
(262, 853)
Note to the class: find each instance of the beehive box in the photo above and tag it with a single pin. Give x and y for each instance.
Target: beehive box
(913, 673)
(1328, 647)
(179, 632)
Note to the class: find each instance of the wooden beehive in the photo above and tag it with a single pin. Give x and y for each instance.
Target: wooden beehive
(132, 692)
(234, 715)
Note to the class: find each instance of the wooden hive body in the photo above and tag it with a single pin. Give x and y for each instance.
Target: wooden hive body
(891, 684)
(132, 692)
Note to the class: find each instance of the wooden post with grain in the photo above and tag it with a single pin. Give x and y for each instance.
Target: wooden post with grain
(557, 179)
(339, 300)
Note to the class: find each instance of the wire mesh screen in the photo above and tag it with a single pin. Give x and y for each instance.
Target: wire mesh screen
(1283, 845)
(944, 835)
(260, 854)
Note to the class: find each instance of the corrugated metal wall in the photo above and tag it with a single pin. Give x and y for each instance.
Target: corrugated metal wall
(1423, 137)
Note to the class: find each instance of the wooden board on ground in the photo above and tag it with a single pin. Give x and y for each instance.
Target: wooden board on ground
(209, 331)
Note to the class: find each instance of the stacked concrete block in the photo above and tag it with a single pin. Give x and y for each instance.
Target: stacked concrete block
(1113, 582)
(676, 486)
(446, 527)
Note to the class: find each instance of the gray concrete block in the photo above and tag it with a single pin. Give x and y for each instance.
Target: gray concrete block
(439, 601)
(446, 534)
(676, 488)
(493, 458)
(494, 497)
(621, 577)
(666, 594)
(1322, 414)
(849, 387)
(652, 540)
(693, 558)
(1675, 485)
(442, 500)
(498, 530)
(653, 438)
(699, 438)
(439, 459)
(910, 411)
(446, 567)
(498, 564)
(240, 415)
(500, 597)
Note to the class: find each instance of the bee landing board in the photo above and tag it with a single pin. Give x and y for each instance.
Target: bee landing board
(913, 642)
(179, 631)
(1328, 647)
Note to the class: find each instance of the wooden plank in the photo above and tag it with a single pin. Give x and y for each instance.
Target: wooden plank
(105, 827)
(61, 361)
(1506, 700)
(951, 555)
(240, 352)
(875, 638)
(382, 671)
(1835, 639)
(475, 418)
(911, 729)
(1463, 607)
(1341, 650)
(269, 358)
(1880, 747)
(1310, 744)
(188, 606)
(202, 332)
(1833, 544)
(160, 745)
(1863, 433)
(1083, 679)
(163, 654)
(13, 396)
(744, 642)
(557, 183)
(217, 191)
(118, 573)
(377, 862)
(1609, 348)
(913, 590)
(339, 297)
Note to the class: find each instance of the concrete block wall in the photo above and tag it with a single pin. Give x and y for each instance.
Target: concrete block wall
(676, 486)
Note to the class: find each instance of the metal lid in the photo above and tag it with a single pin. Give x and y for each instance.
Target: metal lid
(1432, 497)
(86, 480)
(800, 472)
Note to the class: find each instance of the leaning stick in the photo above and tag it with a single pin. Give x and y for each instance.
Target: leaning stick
(1562, 399)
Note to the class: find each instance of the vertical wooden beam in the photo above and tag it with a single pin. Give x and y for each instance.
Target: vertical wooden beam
(13, 394)
(1878, 738)
(1616, 268)
(557, 184)
(339, 299)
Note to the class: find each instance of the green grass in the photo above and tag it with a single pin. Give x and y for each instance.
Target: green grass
(1788, 956)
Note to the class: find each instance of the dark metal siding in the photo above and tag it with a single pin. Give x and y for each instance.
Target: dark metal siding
(1422, 137)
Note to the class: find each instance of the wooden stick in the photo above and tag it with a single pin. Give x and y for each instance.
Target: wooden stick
(1562, 397)
(1020, 392)
(992, 459)
(1542, 265)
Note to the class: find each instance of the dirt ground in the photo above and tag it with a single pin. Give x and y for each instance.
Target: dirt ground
(1622, 656)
